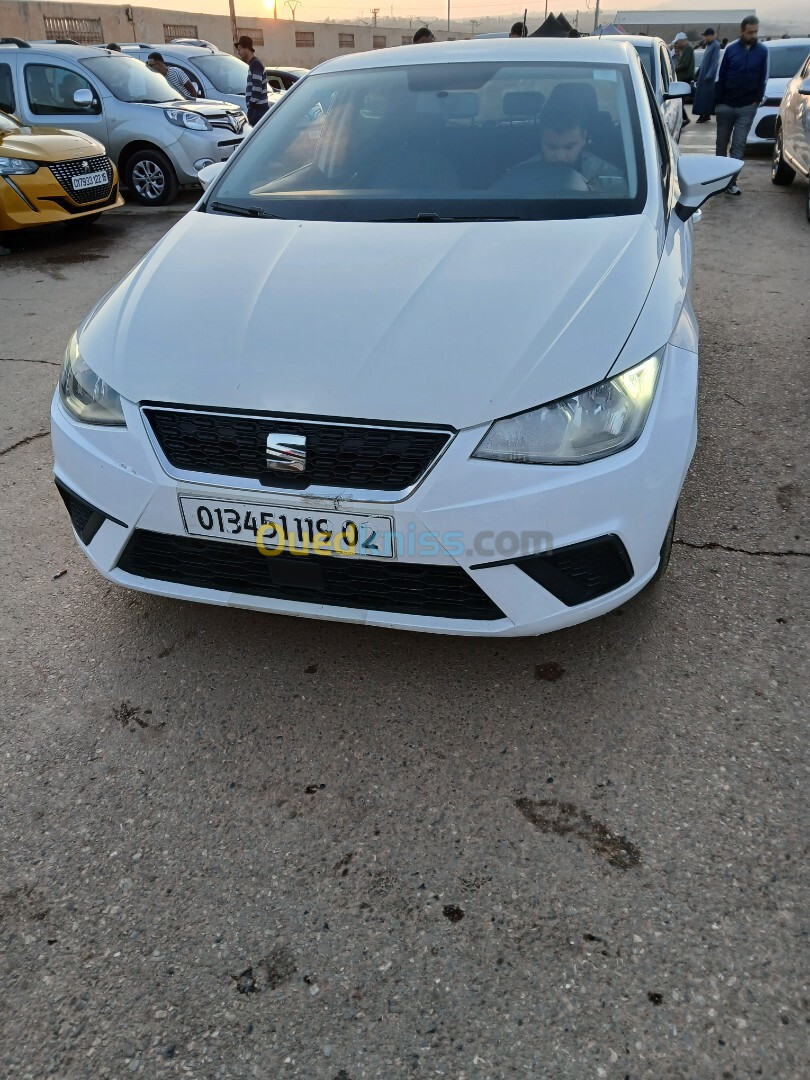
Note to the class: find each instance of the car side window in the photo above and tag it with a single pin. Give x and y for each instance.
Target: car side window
(6, 89)
(275, 82)
(192, 78)
(666, 71)
(50, 91)
(806, 69)
(662, 141)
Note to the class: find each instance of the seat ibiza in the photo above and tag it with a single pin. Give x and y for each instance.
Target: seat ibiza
(422, 357)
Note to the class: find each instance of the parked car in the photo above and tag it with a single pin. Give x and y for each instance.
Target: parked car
(669, 93)
(157, 140)
(199, 42)
(48, 175)
(791, 152)
(218, 76)
(487, 427)
(281, 79)
(785, 57)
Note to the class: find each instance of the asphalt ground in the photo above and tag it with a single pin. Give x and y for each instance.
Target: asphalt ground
(238, 845)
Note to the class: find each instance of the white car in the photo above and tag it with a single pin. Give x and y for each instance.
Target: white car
(441, 383)
(785, 58)
(791, 152)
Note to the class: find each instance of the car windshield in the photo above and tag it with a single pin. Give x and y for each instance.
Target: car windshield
(785, 62)
(227, 73)
(130, 80)
(647, 58)
(458, 141)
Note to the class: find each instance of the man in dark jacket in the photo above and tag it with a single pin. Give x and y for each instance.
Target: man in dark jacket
(740, 89)
(703, 104)
(684, 66)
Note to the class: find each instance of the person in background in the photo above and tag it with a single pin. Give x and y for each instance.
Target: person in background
(684, 66)
(423, 36)
(739, 91)
(113, 47)
(256, 89)
(518, 30)
(175, 75)
(703, 104)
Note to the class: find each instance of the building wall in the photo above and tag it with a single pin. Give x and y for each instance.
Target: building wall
(123, 23)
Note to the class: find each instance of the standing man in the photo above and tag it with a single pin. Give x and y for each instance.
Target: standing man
(740, 88)
(684, 66)
(423, 36)
(703, 104)
(518, 30)
(177, 78)
(256, 89)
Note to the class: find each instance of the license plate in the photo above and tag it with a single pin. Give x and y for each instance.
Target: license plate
(91, 179)
(276, 528)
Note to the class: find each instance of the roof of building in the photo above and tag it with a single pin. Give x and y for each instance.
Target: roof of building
(692, 15)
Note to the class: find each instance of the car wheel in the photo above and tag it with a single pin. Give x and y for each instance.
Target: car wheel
(781, 173)
(150, 178)
(666, 550)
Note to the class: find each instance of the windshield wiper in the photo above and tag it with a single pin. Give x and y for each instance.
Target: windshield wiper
(244, 211)
(431, 218)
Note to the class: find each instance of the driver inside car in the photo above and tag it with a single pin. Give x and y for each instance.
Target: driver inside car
(564, 141)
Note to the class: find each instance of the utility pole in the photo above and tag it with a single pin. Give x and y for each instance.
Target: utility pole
(234, 35)
(596, 16)
(375, 11)
(448, 16)
(292, 5)
(473, 24)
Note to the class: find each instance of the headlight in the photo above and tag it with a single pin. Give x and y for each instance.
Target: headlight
(14, 166)
(181, 118)
(86, 396)
(592, 424)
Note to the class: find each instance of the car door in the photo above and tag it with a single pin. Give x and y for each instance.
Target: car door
(796, 120)
(673, 110)
(47, 93)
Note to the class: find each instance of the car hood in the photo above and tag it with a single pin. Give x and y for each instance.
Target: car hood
(48, 144)
(433, 323)
(205, 106)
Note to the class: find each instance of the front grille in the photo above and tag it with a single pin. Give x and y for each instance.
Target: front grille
(70, 207)
(231, 121)
(766, 128)
(65, 171)
(580, 572)
(338, 455)
(439, 591)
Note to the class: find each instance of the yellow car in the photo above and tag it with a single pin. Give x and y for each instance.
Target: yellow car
(48, 175)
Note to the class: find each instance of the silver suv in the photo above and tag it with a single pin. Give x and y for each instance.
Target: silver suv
(216, 75)
(157, 140)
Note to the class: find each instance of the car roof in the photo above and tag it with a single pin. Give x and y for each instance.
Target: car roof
(189, 51)
(75, 52)
(498, 50)
(784, 43)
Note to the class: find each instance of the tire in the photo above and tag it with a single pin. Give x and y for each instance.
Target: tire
(781, 172)
(150, 178)
(666, 550)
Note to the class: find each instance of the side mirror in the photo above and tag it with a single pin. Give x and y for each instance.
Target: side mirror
(699, 177)
(209, 174)
(83, 98)
(804, 86)
(677, 90)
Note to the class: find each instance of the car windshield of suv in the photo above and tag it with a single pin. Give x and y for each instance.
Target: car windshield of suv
(228, 74)
(459, 141)
(130, 80)
(785, 62)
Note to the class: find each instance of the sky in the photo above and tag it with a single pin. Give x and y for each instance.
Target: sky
(435, 11)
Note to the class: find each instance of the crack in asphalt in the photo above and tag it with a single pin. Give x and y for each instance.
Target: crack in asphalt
(712, 545)
(23, 360)
(24, 442)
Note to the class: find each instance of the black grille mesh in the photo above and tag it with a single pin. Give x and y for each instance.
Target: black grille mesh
(66, 170)
(374, 459)
(439, 591)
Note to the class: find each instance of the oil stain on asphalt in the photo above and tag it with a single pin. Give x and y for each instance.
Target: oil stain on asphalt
(565, 819)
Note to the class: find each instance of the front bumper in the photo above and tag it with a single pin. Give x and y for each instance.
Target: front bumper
(763, 129)
(39, 199)
(487, 517)
(192, 146)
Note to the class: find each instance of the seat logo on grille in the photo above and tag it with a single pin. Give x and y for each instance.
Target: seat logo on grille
(286, 453)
